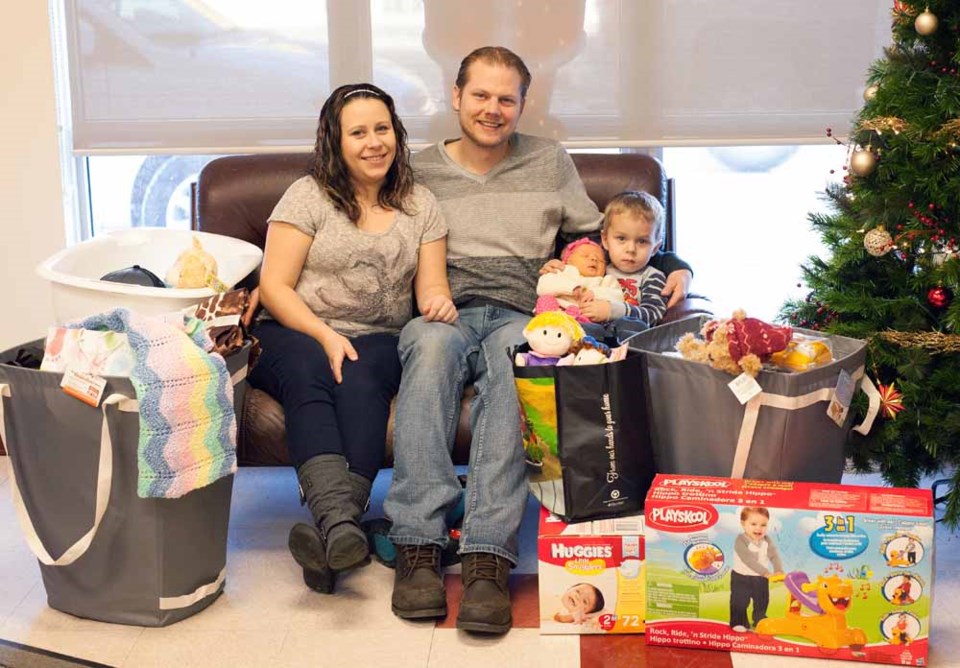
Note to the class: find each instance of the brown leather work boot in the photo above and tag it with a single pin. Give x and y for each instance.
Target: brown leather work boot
(485, 606)
(418, 591)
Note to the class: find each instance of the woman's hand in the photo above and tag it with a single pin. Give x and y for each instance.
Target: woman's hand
(677, 286)
(553, 266)
(337, 347)
(247, 317)
(439, 308)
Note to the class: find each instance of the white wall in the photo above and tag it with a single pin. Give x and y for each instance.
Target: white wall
(31, 204)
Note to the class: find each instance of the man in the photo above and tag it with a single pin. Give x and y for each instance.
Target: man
(505, 197)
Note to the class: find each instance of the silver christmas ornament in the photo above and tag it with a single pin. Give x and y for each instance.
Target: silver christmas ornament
(870, 92)
(863, 162)
(926, 23)
(878, 241)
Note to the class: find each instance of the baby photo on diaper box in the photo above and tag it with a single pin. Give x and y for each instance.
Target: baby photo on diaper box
(792, 569)
(591, 575)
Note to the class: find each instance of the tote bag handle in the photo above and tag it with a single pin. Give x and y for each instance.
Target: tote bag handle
(104, 484)
(752, 412)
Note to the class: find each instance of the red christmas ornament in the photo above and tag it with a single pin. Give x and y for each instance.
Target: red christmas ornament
(938, 297)
(891, 401)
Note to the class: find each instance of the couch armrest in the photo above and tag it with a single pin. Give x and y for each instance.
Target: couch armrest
(689, 306)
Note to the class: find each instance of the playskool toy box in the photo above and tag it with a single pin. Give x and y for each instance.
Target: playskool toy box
(790, 568)
(591, 575)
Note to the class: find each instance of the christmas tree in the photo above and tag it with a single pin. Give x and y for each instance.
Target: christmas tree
(893, 232)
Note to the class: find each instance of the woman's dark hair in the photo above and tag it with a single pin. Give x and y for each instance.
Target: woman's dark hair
(329, 169)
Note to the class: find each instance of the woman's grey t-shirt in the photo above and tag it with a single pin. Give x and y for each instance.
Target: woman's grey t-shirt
(358, 282)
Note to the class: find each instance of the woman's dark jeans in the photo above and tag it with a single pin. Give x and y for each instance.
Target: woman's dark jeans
(322, 416)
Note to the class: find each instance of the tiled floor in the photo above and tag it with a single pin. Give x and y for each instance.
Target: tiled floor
(266, 617)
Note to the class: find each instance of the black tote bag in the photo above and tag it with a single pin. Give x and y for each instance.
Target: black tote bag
(586, 436)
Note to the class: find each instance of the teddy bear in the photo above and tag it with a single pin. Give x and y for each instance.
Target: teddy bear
(193, 268)
(736, 345)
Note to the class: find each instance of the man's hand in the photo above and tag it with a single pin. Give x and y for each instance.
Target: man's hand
(552, 267)
(677, 286)
(597, 310)
(338, 347)
(439, 308)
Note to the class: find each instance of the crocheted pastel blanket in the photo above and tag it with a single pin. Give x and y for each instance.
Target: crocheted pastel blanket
(188, 429)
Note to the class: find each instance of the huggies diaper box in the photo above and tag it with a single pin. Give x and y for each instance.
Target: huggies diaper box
(591, 575)
(789, 568)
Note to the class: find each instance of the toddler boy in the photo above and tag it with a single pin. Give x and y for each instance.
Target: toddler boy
(632, 234)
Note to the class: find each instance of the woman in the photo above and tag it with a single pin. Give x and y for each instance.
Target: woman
(346, 246)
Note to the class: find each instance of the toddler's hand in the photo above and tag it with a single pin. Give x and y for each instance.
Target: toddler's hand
(439, 308)
(597, 310)
(552, 267)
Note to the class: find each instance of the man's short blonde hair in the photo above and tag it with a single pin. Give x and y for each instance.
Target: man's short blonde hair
(637, 203)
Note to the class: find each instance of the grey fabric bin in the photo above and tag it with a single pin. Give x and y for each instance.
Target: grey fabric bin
(700, 428)
(150, 562)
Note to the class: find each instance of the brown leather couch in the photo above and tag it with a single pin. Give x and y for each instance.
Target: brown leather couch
(234, 196)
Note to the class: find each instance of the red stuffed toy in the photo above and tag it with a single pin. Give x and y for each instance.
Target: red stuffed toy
(738, 345)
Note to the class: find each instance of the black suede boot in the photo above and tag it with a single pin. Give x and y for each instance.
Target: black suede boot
(418, 591)
(336, 499)
(308, 549)
(485, 605)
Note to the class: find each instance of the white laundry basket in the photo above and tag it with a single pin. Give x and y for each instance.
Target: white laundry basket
(74, 273)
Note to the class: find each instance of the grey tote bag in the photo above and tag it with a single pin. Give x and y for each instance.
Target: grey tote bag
(700, 428)
(104, 552)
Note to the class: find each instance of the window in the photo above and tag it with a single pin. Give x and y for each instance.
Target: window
(158, 87)
(742, 219)
(141, 190)
(199, 76)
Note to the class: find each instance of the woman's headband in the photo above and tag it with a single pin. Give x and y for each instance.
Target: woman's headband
(362, 90)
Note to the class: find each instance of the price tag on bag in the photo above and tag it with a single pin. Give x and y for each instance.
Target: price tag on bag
(745, 387)
(842, 396)
(86, 387)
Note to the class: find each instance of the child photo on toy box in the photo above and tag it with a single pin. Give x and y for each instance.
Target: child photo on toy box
(802, 569)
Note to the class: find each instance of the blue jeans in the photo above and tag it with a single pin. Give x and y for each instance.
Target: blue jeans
(438, 361)
(321, 415)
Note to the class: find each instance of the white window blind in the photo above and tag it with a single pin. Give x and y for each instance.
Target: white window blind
(218, 76)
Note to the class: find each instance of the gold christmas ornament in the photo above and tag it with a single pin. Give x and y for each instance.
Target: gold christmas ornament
(949, 129)
(863, 162)
(870, 92)
(935, 342)
(882, 124)
(878, 241)
(926, 23)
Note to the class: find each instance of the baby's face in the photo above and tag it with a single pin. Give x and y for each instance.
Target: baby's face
(588, 259)
(581, 598)
(755, 526)
(629, 240)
